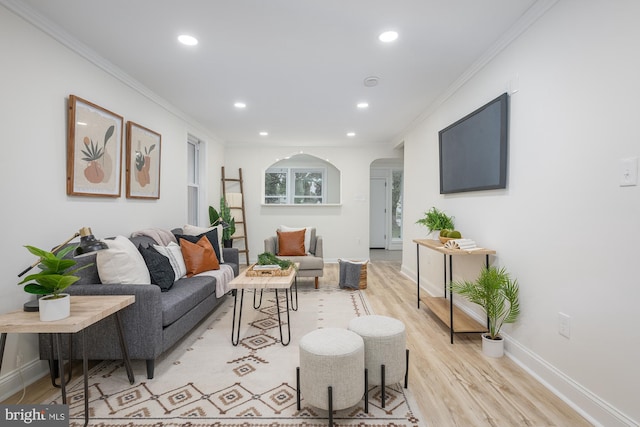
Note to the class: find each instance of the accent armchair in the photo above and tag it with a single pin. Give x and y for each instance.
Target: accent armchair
(311, 264)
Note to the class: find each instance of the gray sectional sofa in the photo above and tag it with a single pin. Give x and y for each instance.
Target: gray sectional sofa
(154, 323)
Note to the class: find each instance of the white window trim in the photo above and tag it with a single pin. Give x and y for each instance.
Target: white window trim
(290, 194)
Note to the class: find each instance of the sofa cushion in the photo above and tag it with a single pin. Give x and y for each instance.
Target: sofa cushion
(291, 243)
(193, 230)
(199, 256)
(173, 252)
(122, 263)
(185, 294)
(160, 269)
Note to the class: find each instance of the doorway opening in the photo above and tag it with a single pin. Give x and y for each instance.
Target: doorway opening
(385, 210)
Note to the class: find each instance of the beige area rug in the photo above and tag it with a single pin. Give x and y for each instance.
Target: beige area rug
(205, 381)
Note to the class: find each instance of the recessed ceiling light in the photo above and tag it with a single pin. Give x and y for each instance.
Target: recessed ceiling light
(363, 105)
(263, 133)
(351, 134)
(371, 81)
(240, 105)
(187, 40)
(388, 36)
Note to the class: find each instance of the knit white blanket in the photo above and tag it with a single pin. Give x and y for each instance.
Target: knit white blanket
(223, 277)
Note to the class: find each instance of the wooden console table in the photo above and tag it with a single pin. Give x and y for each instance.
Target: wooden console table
(85, 311)
(443, 307)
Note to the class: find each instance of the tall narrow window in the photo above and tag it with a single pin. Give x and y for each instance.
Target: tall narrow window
(275, 186)
(193, 180)
(308, 186)
(396, 205)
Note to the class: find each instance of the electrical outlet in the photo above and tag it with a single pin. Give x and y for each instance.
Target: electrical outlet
(564, 325)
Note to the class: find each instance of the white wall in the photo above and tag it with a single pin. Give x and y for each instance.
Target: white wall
(344, 229)
(564, 227)
(38, 74)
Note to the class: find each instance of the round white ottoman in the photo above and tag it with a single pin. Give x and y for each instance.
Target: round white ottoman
(385, 349)
(331, 363)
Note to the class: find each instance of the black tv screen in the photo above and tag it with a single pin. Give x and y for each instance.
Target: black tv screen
(473, 150)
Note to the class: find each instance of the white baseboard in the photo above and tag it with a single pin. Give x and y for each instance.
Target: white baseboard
(586, 403)
(14, 381)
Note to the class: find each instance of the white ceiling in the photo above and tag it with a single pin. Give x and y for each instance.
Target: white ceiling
(298, 64)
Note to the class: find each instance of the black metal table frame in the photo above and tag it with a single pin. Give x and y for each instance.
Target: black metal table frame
(451, 330)
(55, 337)
(235, 327)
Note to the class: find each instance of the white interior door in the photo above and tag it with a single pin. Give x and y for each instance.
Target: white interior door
(378, 213)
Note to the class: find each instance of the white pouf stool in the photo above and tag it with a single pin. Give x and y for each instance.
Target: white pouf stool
(386, 356)
(331, 374)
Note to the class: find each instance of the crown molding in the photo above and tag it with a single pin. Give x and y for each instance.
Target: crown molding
(531, 15)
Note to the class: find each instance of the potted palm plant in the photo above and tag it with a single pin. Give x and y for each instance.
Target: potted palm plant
(225, 219)
(55, 276)
(436, 220)
(497, 294)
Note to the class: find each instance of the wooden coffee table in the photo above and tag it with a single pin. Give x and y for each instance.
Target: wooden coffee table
(242, 282)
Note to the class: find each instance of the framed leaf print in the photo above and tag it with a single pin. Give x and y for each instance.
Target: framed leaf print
(94, 150)
(143, 162)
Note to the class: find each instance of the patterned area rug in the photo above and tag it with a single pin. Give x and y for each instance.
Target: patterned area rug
(205, 381)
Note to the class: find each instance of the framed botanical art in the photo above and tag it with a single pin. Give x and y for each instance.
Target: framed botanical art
(94, 150)
(143, 162)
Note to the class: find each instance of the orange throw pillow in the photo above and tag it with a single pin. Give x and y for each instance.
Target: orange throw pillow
(291, 243)
(199, 257)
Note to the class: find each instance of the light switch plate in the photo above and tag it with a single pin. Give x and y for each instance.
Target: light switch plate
(628, 172)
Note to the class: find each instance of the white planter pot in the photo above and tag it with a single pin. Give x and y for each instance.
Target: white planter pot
(434, 235)
(492, 348)
(54, 308)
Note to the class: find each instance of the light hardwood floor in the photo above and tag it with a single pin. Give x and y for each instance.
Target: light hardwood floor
(454, 385)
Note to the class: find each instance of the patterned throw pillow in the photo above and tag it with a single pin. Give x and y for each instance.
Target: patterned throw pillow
(174, 254)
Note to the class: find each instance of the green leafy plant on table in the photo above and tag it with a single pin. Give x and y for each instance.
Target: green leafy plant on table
(496, 293)
(54, 276)
(267, 258)
(435, 219)
(225, 216)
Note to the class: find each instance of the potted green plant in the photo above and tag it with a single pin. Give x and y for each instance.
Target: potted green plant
(54, 277)
(497, 294)
(227, 221)
(436, 220)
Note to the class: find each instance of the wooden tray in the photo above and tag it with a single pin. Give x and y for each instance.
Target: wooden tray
(268, 273)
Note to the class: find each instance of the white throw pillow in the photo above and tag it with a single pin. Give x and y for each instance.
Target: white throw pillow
(192, 230)
(307, 234)
(122, 263)
(174, 253)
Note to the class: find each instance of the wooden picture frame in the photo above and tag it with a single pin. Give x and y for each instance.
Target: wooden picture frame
(143, 162)
(94, 150)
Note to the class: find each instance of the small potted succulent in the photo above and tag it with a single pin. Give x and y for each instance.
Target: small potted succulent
(435, 220)
(55, 276)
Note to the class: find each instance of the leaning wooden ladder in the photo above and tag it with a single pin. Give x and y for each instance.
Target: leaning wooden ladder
(235, 201)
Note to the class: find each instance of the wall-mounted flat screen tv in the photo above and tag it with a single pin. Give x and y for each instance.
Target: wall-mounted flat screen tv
(473, 150)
